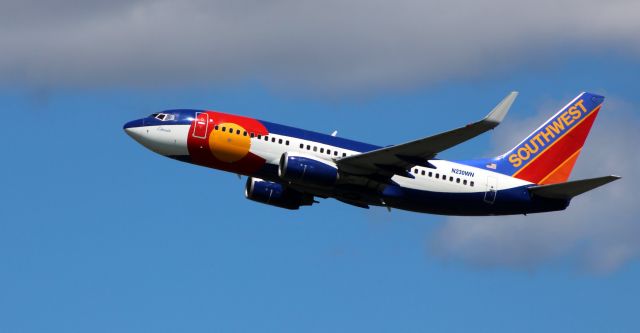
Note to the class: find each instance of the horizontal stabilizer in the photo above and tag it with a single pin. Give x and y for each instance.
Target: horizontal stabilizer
(570, 189)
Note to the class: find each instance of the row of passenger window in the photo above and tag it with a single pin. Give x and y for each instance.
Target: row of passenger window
(321, 150)
(251, 134)
(273, 139)
(280, 141)
(444, 177)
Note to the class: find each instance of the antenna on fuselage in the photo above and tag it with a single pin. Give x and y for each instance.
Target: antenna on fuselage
(385, 205)
(334, 133)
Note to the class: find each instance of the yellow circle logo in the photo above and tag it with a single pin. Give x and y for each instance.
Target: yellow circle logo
(230, 142)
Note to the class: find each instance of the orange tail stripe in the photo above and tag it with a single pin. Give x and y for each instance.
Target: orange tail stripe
(563, 171)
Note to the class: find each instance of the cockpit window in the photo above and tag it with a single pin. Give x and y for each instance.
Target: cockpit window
(164, 116)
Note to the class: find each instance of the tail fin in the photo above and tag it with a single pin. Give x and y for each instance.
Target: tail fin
(548, 155)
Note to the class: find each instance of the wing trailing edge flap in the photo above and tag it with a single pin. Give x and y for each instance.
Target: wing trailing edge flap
(418, 152)
(570, 189)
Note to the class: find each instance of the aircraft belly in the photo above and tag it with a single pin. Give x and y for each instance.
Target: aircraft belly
(507, 201)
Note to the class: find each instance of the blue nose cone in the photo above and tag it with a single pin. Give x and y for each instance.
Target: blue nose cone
(134, 123)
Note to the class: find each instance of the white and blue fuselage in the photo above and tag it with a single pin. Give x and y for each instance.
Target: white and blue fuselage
(290, 167)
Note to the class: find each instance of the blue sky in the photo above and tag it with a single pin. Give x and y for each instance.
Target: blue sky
(99, 234)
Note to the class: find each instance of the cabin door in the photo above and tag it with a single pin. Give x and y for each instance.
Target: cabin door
(201, 125)
(492, 187)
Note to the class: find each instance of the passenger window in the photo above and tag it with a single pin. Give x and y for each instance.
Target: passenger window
(329, 151)
(437, 176)
(252, 135)
(472, 183)
(322, 150)
(273, 139)
(287, 143)
(450, 178)
(302, 146)
(464, 182)
(238, 132)
(344, 154)
(335, 153)
(457, 180)
(215, 127)
(280, 141)
(259, 136)
(266, 138)
(423, 172)
(244, 133)
(308, 147)
(315, 148)
(224, 129)
(430, 174)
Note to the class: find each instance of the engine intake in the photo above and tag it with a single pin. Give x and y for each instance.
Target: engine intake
(307, 170)
(275, 194)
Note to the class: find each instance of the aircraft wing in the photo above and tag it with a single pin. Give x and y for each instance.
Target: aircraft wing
(397, 159)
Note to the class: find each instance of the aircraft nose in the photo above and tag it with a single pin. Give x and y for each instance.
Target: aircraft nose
(136, 130)
(133, 124)
(168, 140)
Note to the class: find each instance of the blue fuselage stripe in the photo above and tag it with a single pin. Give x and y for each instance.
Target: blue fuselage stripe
(318, 137)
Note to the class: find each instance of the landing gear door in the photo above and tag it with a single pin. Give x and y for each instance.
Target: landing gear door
(200, 127)
(492, 187)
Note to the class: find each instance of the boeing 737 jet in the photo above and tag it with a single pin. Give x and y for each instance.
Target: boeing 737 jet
(290, 167)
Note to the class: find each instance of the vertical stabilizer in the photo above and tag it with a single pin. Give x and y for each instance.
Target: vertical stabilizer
(549, 153)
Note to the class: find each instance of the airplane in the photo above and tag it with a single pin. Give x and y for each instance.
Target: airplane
(288, 167)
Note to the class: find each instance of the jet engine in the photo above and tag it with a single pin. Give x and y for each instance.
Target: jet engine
(307, 170)
(275, 194)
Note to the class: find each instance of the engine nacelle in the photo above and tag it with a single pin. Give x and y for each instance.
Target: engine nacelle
(307, 170)
(275, 194)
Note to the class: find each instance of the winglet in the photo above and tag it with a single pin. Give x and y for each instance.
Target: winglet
(571, 189)
(500, 111)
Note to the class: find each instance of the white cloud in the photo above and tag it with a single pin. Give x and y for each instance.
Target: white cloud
(599, 230)
(327, 45)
